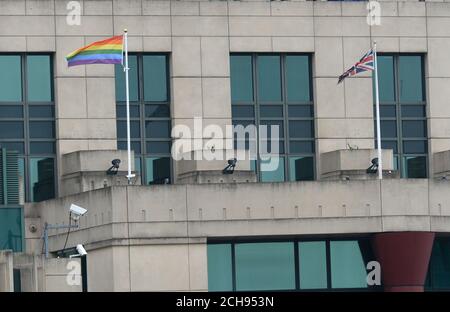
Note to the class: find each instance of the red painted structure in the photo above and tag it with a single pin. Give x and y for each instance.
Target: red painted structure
(404, 258)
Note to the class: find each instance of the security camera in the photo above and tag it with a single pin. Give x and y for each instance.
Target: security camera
(81, 250)
(77, 211)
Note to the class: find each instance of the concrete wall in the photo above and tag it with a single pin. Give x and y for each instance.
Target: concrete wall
(201, 34)
(154, 237)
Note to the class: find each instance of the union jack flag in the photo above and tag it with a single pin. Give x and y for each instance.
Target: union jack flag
(364, 64)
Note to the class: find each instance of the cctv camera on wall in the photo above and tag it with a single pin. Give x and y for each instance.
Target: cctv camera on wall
(77, 211)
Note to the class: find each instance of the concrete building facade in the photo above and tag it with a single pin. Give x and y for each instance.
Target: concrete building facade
(234, 62)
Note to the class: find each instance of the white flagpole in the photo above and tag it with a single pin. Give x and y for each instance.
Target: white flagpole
(126, 69)
(377, 104)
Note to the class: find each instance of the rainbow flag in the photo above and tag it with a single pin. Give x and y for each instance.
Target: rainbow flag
(109, 51)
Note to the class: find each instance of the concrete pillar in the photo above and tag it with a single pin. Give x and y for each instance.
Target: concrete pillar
(404, 258)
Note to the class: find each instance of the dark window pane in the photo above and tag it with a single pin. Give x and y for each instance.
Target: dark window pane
(133, 79)
(271, 111)
(13, 146)
(244, 144)
(122, 129)
(157, 129)
(11, 111)
(439, 272)
(243, 123)
(157, 170)
(42, 147)
(243, 111)
(414, 128)
(10, 78)
(388, 145)
(42, 179)
(157, 111)
(348, 269)
(271, 126)
(241, 78)
(410, 78)
(122, 111)
(301, 168)
(155, 78)
(11, 130)
(158, 147)
(301, 147)
(301, 111)
(270, 146)
(269, 78)
(272, 169)
(386, 111)
(42, 129)
(313, 265)
(135, 146)
(301, 129)
(415, 167)
(11, 231)
(265, 266)
(39, 79)
(388, 128)
(297, 78)
(219, 267)
(413, 111)
(386, 87)
(41, 111)
(415, 147)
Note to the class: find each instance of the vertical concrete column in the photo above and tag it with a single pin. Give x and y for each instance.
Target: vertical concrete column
(404, 258)
(6, 271)
(84, 95)
(200, 75)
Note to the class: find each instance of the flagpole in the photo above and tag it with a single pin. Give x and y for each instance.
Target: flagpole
(126, 69)
(377, 104)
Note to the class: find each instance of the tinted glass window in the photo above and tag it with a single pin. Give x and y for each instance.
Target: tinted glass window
(132, 78)
(265, 266)
(10, 78)
(297, 78)
(272, 170)
(157, 170)
(313, 265)
(219, 267)
(42, 179)
(269, 78)
(386, 84)
(415, 167)
(347, 265)
(301, 168)
(11, 111)
(42, 129)
(241, 78)
(155, 78)
(39, 78)
(410, 78)
(11, 129)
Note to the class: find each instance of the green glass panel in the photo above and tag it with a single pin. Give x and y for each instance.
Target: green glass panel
(122, 129)
(155, 78)
(157, 170)
(414, 128)
(301, 168)
(132, 77)
(386, 85)
(413, 111)
(298, 78)
(137, 164)
(39, 78)
(410, 78)
(347, 265)
(161, 110)
(301, 147)
(122, 111)
(271, 111)
(13, 146)
(41, 111)
(440, 264)
(42, 129)
(157, 129)
(301, 129)
(269, 78)
(11, 229)
(265, 266)
(219, 267)
(243, 111)
(414, 167)
(301, 111)
(313, 265)
(10, 78)
(42, 179)
(272, 170)
(241, 78)
(415, 147)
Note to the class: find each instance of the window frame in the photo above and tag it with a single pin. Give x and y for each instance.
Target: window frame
(142, 119)
(399, 119)
(25, 104)
(285, 104)
(366, 239)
